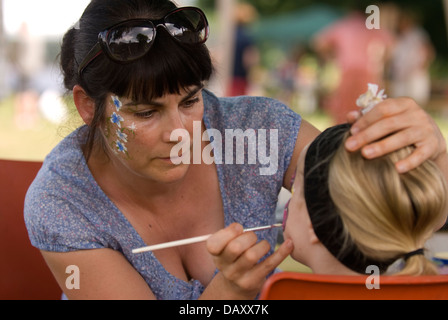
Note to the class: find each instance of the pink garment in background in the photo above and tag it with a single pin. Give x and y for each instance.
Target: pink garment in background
(359, 54)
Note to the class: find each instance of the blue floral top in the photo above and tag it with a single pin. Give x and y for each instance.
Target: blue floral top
(66, 210)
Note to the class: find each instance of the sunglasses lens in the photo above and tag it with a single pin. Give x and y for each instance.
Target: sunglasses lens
(188, 26)
(127, 43)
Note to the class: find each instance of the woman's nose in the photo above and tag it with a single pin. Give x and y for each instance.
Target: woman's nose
(172, 122)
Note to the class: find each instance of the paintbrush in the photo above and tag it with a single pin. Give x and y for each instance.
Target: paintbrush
(194, 240)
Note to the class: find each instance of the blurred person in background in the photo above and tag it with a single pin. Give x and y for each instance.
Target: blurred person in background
(246, 54)
(359, 55)
(411, 58)
(29, 59)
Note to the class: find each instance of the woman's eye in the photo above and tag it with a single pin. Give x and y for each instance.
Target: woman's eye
(145, 114)
(190, 103)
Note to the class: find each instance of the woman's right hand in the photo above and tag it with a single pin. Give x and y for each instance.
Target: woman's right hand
(237, 255)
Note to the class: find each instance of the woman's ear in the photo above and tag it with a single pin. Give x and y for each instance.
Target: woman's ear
(84, 104)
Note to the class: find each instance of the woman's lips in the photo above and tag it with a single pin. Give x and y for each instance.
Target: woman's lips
(171, 160)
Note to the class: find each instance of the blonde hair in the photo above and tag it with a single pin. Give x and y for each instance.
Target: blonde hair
(387, 214)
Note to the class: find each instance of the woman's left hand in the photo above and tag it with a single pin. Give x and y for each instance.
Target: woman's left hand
(392, 125)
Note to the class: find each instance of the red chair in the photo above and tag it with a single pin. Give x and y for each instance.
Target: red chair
(304, 286)
(24, 274)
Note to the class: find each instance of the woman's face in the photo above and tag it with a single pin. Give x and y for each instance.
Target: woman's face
(297, 223)
(138, 133)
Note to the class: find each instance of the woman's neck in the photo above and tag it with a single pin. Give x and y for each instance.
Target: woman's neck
(117, 181)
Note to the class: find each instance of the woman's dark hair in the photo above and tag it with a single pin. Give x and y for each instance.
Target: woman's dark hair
(167, 68)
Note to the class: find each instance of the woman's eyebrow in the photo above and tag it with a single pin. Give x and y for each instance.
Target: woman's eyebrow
(192, 93)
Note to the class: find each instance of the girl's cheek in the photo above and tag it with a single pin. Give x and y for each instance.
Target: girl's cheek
(285, 215)
(286, 211)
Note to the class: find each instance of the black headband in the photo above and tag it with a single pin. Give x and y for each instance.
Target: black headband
(327, 223)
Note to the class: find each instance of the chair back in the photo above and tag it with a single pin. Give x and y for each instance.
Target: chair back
(24, 274)
(304, 286)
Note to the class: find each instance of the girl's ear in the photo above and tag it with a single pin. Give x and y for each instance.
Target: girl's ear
(84, 104)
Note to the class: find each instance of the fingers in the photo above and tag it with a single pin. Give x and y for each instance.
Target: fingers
(264, 269)
(236, 251)
(218, 241)
(353, 116)
(392, 125)
(387, 109)
(419, 156)
(245, 261)
(237, 254)
(386, 118)
(249, 274)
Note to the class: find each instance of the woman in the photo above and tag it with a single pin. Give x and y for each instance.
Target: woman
(113, 185)
(348, 213)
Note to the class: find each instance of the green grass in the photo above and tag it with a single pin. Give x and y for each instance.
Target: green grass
(32, 142)
(289, 264)
(442, 122)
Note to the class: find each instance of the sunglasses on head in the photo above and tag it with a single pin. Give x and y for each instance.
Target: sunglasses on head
(132, 39)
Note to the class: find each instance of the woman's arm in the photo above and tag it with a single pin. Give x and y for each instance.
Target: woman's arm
(104, 275)
(307, 134)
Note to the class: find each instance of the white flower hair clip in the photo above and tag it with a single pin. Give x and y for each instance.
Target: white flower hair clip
(371, 98)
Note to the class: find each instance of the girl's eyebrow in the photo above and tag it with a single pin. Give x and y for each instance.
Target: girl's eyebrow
(190, 94)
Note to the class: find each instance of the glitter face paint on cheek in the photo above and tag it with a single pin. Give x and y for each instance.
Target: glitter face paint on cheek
(119, 135)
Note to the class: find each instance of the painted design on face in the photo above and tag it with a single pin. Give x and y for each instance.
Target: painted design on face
(117, 103)
(121, 147)
(116, 119)
(120, 134)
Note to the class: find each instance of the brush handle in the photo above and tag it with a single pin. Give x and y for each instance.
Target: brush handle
(172, 244)
(184, 242)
